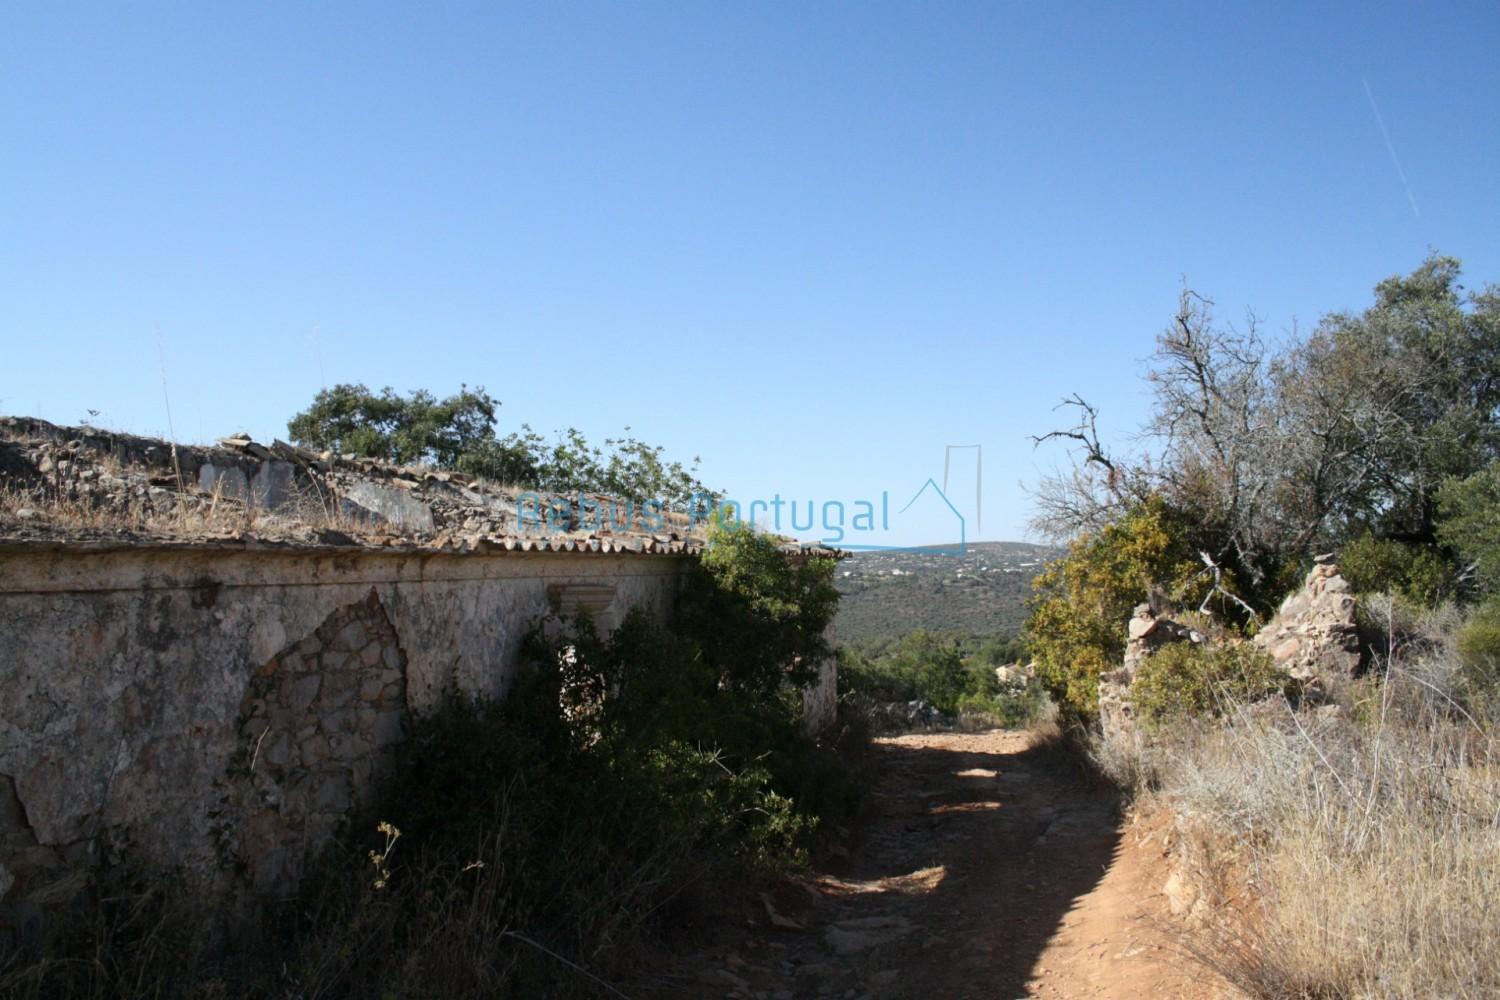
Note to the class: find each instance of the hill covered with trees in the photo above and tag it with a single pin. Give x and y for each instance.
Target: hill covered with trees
(980, 591)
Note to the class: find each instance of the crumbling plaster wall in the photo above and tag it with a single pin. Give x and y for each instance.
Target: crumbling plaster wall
(820, 698)
(225, 708)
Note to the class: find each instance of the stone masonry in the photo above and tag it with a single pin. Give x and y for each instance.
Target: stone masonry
(322, 720)
(207, 654)
(1147, 634)
(219, 709)
(1314, 636)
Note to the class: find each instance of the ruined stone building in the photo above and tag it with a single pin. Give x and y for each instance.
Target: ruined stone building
(207, 655)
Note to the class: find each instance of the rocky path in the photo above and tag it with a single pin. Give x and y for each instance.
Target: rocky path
(982, 869)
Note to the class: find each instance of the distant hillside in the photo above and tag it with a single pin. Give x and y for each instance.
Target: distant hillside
(982, 591)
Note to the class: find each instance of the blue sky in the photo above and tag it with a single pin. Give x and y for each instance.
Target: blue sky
(812, 243)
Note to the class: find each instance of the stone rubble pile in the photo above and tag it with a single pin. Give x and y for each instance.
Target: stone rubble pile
(82, 477)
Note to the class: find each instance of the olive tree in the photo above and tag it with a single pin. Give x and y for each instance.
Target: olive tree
(1274, 450)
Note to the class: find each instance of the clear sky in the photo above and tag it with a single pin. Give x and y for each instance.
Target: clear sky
(812, 243)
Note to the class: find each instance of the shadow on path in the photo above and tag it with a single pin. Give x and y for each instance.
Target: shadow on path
(971, 852)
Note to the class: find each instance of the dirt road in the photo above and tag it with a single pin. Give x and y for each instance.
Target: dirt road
(981, 869)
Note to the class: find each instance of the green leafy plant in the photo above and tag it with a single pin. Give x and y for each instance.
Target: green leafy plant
(1469, 521)
(930, 667)
(759, 615)
(1186, 679)
(1082, 602)
(1418, 573)
(1478, 681)
(459, 433)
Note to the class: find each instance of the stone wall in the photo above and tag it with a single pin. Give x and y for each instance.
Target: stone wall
(221, 708)
(820, 699)
(1313, 637)
(1146, 634)
(1315, 634)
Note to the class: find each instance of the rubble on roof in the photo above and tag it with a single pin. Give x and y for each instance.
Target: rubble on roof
(89, 486)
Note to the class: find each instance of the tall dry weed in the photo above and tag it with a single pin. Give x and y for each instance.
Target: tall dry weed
(1368, 837)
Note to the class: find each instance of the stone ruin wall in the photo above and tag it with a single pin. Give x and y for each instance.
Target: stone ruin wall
(220, 709)
(1313, 638)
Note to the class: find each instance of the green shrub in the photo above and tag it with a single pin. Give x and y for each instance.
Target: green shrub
(459, 432)
(1082, 602)
(758, 616)
(930, 667)
(596, 831)
(1009, 707)
(1468, 522)
(1419, 573)
(618, 771)
(1478, 681)
(1188, 679)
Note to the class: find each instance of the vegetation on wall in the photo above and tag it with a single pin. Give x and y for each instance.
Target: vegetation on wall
(526, 847)
(459, 433)
(758, 612)
(631, 766)
(1186, 680)
(1082, 601)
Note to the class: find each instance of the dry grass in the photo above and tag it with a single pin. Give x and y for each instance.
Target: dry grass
(169, 514)
(1367, 840)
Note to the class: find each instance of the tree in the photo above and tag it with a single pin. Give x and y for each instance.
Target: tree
(458, 433)
(759, 614)
(1470, 522)
(454, 433)
(623, 467)
(1383, 406)
(1274, 451)
(1082, 602)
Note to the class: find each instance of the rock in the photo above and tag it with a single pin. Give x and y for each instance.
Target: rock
(724, 975)
(333, 795)
(302, 692)
(364, 501)
(777, 919)
(911, 714)
(275, 750)
(272, 485)
(242, 443)
(1013, 675)
(224, 481)
(1180, 895)
(1142, 622)
(848, 937)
